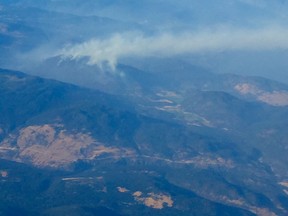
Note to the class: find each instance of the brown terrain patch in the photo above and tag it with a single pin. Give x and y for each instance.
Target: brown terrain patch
(122, 189)
(152, 200)
(275, 98)
(3, 173)
(53, 146)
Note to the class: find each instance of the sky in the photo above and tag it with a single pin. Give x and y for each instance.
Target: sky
(108, 31)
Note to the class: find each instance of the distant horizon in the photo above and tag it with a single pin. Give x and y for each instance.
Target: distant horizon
(246, 37)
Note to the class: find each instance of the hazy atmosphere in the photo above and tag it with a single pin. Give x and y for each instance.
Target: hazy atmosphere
(149, 107)
(235, 36)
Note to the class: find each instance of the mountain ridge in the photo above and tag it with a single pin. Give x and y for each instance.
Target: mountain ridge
(85, 130)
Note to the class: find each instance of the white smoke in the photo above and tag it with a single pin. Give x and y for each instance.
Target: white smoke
(133, 44)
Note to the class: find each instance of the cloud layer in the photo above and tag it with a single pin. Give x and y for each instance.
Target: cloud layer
(135, 44)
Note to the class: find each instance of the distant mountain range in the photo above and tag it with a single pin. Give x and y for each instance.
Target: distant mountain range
(32, 31)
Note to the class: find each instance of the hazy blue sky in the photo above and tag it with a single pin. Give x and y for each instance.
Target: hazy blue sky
(254, 28)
